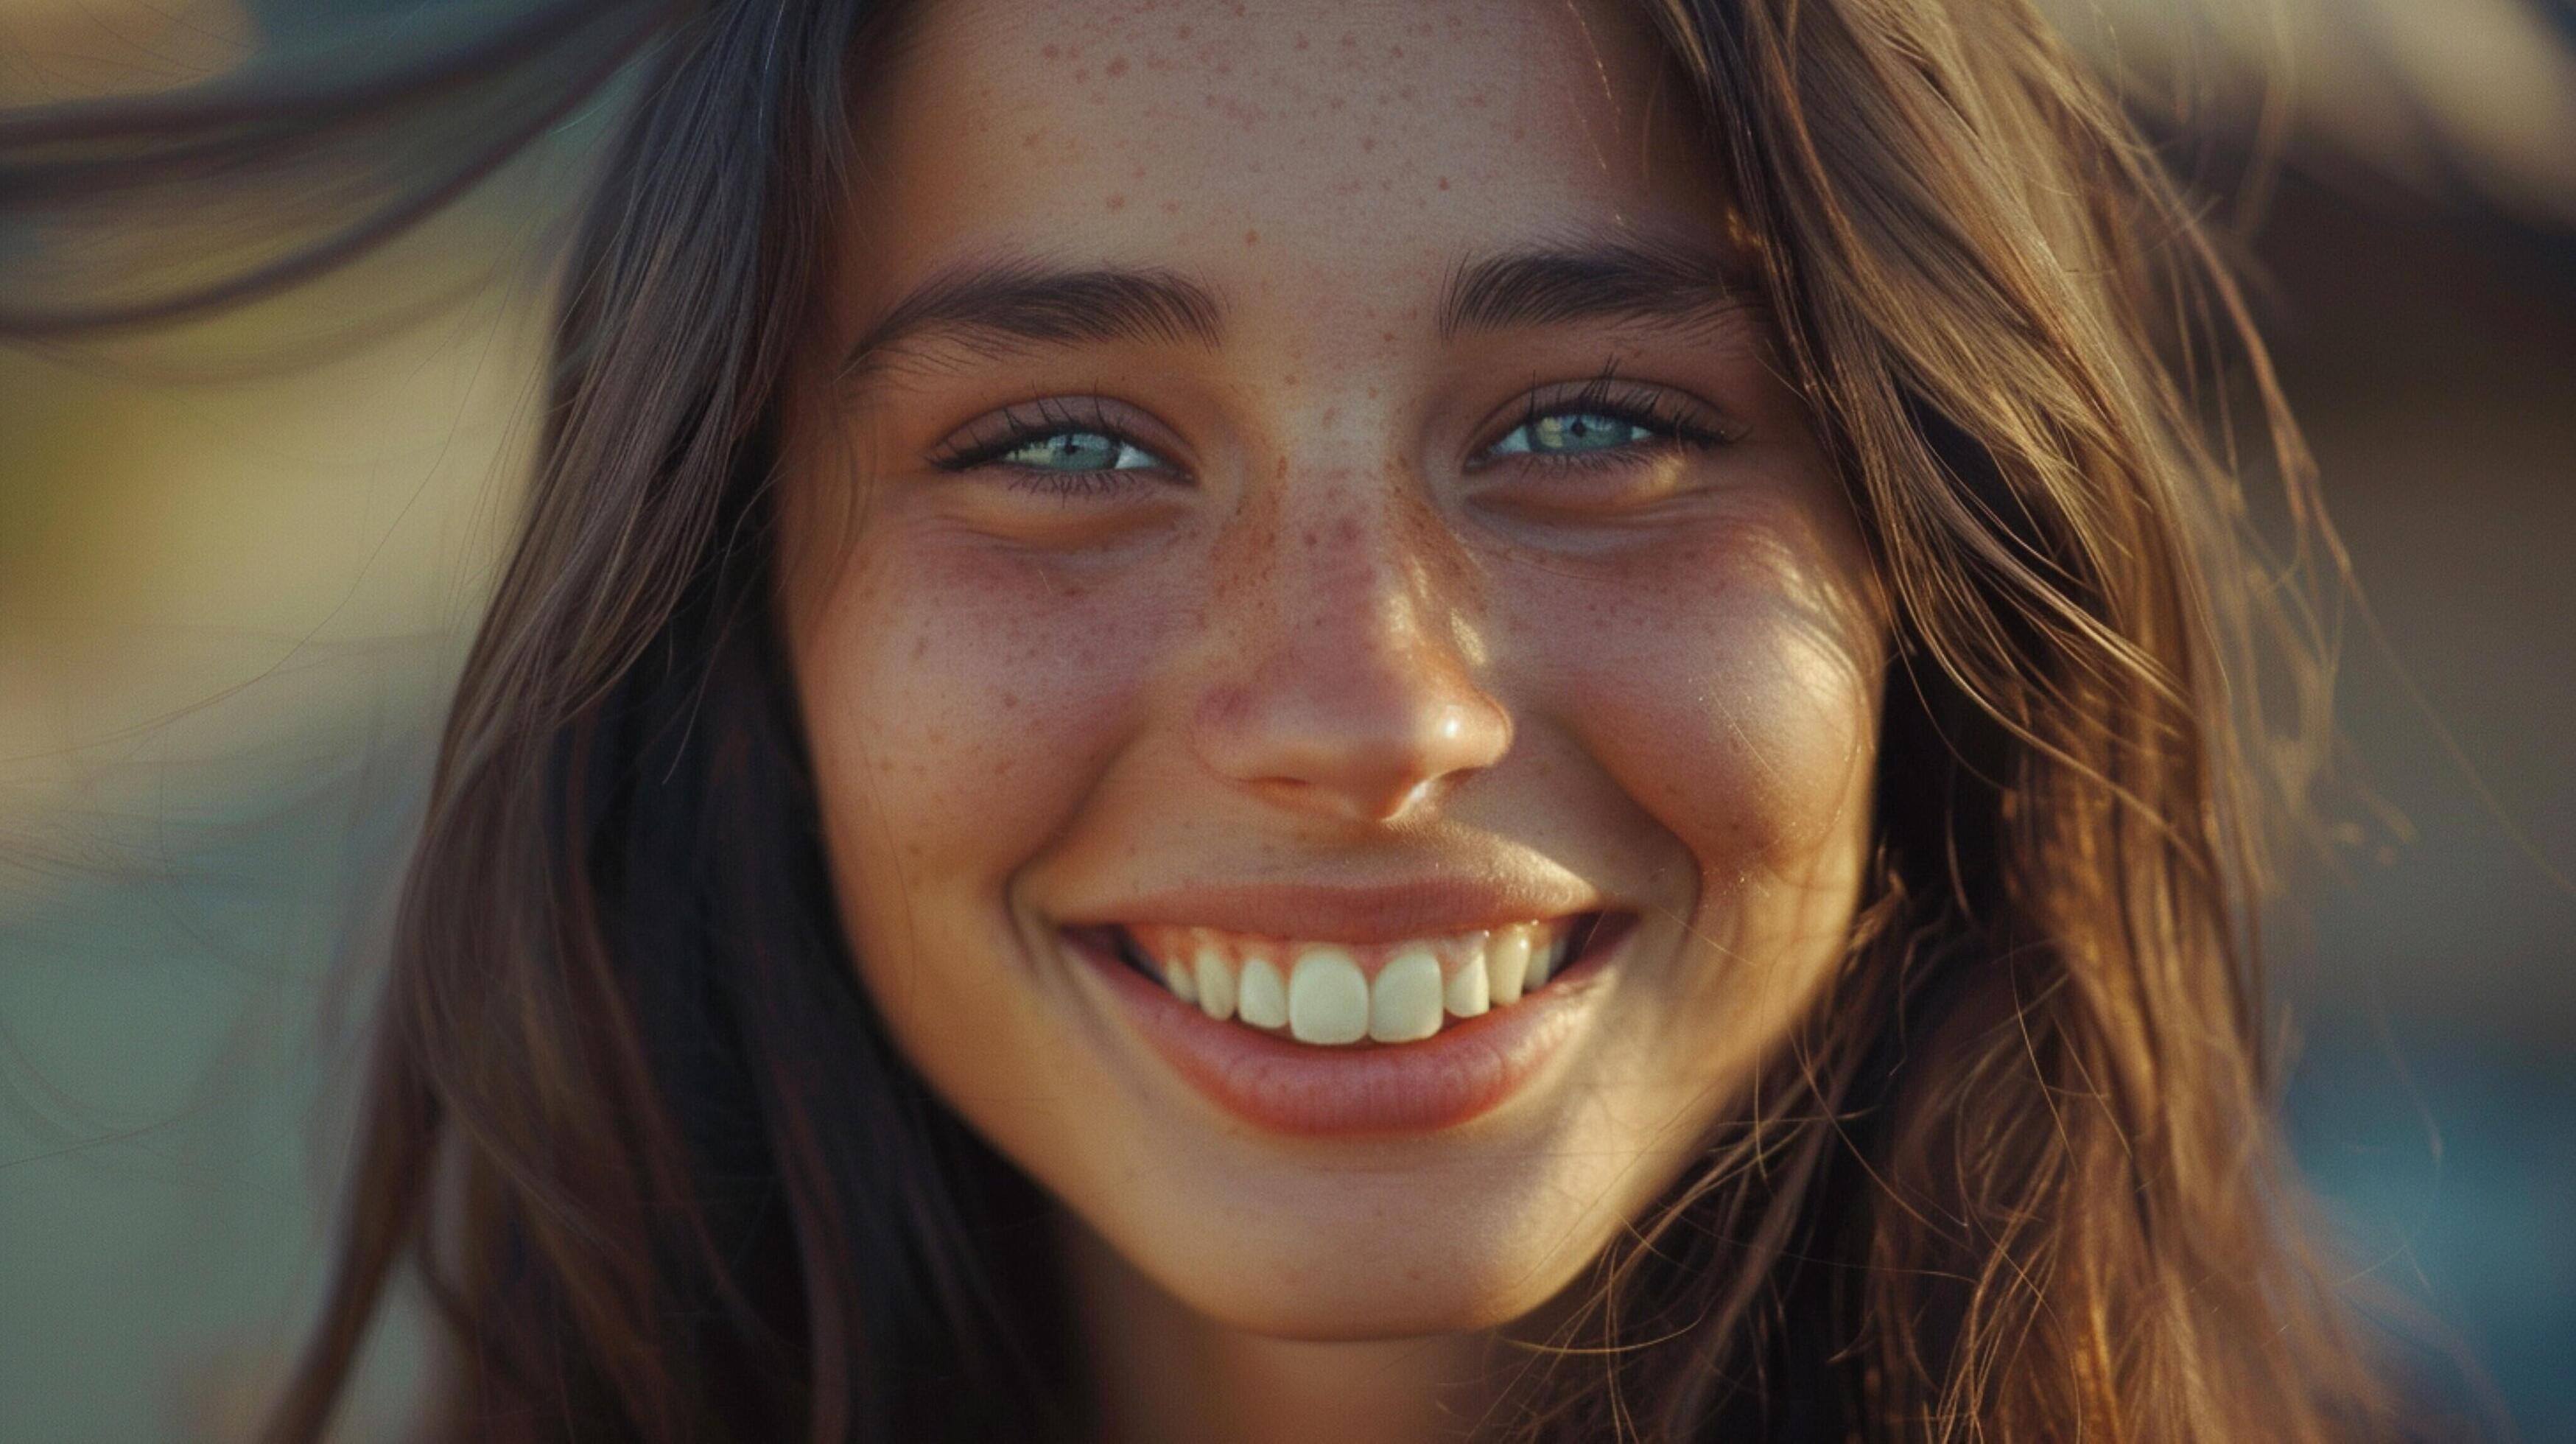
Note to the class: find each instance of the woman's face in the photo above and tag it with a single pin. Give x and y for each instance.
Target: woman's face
(1310, 543)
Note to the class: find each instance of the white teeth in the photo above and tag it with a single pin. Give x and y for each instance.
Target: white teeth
(1507, 964)
(1322, 993)
(1328, 998)
(1216, 985)
(1260, 997)
(1469, 991)
(1543, 963)
(1404, 1002)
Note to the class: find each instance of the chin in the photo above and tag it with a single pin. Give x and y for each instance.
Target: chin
(1311, 1299)
(1345, 1256)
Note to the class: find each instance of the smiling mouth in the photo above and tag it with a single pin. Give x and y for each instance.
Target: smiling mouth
(1333, 994)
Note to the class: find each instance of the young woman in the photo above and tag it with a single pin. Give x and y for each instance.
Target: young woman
(1522, 719)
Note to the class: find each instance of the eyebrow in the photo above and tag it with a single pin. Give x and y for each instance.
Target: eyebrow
(1021, 302)
(1005, 304)
(1602, 281)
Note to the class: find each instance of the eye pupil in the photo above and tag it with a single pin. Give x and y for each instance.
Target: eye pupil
(1068, 451)
(1582, 431)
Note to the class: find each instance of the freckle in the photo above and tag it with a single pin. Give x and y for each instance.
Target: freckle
(1117, 66)
(1137, 174)
(920, 648)
(1404, 92)
(1302, 41)
(1349, 40)
(1444, 182)
(1118, 203)
(1252, 238)
(1053, 52)
(1030, 140)
(1171, 208)
(1395, 52)
(1476, 98)
(1331, 415)
(1182, 34)
(1368, 142)
(1002, 768)
(1309, 539)
(1288, 380)
(1334, 104)
(1082, 72)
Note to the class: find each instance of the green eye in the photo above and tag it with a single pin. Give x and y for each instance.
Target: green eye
(1573, 433)
(1073, 451)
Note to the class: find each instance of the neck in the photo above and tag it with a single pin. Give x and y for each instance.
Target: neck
(1164, 1373)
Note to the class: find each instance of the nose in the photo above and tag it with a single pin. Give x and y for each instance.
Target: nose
(1347, 685)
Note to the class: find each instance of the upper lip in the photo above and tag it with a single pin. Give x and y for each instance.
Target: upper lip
(1379, 913)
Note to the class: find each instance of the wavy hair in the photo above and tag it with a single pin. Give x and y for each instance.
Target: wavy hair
(630, 1115)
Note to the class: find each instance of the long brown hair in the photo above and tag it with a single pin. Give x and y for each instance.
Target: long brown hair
(632, 1119)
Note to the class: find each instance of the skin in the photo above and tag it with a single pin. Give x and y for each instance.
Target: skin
(1334, 637)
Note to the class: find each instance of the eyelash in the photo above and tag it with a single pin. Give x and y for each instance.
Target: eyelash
(1008, 431)
(1604, 395)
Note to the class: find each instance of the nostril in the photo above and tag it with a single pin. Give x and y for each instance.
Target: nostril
(1347, 803)
(1365, 749)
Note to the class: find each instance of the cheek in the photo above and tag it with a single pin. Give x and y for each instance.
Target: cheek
(1728, 681)
(925, 677)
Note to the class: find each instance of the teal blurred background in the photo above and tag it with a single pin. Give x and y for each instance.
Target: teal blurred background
(238, 562)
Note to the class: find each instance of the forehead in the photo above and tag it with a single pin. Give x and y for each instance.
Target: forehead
(1276, 149)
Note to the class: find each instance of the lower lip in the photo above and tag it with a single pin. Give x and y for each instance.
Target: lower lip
(1468, 1068)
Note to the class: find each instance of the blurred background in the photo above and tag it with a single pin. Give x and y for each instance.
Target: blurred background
(239, 560)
